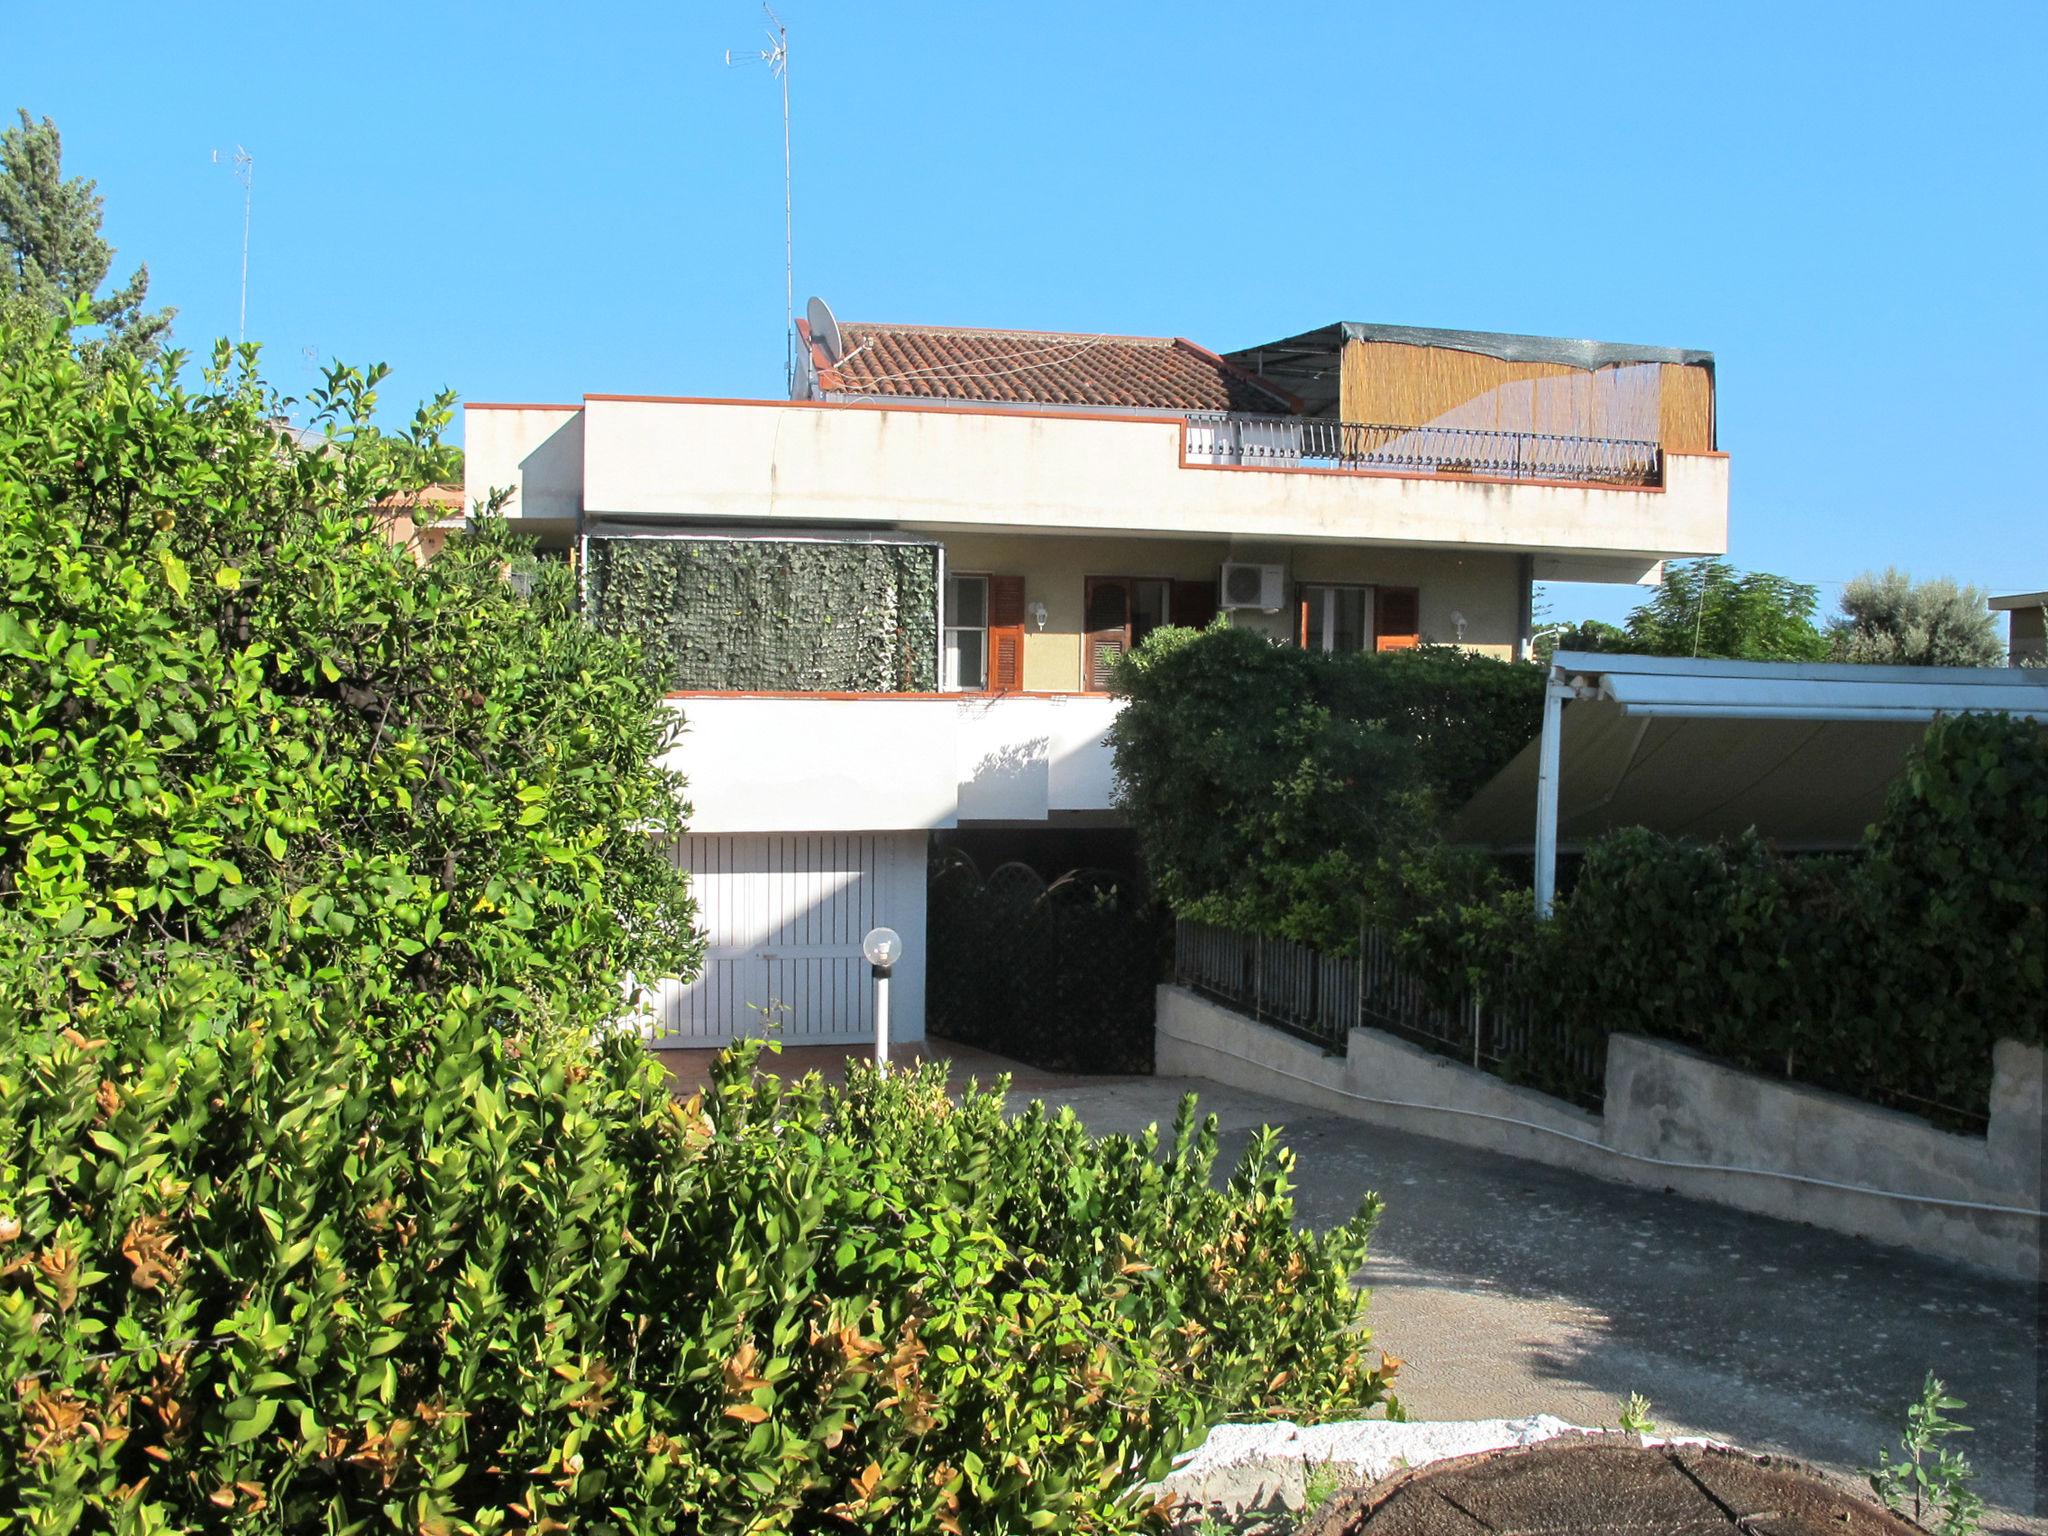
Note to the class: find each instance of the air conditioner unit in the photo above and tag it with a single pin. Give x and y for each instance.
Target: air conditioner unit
(1252, 586)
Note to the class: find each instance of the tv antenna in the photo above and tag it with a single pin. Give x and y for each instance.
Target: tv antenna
(776, 57)
(244, 166)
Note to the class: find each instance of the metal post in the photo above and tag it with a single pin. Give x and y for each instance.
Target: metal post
(1554, 695)
(881, 1016)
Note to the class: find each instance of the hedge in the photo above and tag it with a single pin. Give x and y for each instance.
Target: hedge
(1888, 973)
(474, 1280)
(1269, 784)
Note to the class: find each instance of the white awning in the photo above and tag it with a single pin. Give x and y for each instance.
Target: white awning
(1805, 753)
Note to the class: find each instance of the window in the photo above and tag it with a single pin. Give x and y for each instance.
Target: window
(966, 632)
(1121, 612)
(1336, 618)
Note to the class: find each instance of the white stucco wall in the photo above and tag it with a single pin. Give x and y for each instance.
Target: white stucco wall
(535, 451)
(795, 764)
(779, 462)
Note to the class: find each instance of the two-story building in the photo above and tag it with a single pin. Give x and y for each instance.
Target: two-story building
(891, 605)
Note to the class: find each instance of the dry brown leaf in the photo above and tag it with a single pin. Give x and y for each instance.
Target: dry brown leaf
(148, 1247)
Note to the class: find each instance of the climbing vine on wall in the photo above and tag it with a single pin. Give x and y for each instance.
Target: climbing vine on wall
(771, 614)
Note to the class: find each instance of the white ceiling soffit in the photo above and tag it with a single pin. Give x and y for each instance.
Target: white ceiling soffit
(1707, 749)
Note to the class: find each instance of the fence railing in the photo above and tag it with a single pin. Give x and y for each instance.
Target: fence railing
(1287, 442)
(1322, 997)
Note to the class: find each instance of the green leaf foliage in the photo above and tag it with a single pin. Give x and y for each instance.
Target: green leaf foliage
(1709, 608)
(777, 615)
(1895, 621)
(1891, 971)
(54, 259)
(239, 717)
(330, 1201)
(1271, 786)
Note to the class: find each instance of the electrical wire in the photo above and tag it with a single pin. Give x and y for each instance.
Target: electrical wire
(1637, 1157)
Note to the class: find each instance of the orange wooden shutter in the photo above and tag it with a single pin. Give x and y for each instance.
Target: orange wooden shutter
(1194, 604)
(1109, 630)
(1006, 634)
(1397, 618)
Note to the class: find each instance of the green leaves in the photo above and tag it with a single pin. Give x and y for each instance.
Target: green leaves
(1270, 786)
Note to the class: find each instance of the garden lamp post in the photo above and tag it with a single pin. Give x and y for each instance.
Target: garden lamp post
(884, 948)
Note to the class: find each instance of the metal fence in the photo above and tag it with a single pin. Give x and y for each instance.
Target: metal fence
(1286, 442)
(1322, 997)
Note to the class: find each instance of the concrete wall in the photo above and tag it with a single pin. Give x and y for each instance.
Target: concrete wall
(783, 763)
(1669, 1104)
(1485, 587)
(761, 462)
(534, 451)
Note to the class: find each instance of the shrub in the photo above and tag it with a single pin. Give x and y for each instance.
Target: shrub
(474, 1280)
(1892, 970)
(327, 1201)
(1271, 785)
(239, 719)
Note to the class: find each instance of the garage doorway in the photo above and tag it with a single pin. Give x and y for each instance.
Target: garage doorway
(783, 915)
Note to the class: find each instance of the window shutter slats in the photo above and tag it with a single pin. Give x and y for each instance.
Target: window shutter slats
(1109, 630)
(1006, 634)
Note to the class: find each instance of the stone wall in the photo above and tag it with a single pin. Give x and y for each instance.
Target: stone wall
(1675, 1119)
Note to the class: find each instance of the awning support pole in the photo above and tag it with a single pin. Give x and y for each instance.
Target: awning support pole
(1554, 695)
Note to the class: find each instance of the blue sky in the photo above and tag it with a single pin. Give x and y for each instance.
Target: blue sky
(1845, 203)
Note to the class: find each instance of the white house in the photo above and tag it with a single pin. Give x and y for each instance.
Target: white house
(1057, 496)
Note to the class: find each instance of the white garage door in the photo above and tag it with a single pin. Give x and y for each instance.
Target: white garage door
(784, 915)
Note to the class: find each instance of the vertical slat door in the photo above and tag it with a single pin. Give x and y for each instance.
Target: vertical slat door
(783, 917)
(823, 891)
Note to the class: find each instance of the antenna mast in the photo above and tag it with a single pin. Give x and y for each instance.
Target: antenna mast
(776, 57)
(244, 166)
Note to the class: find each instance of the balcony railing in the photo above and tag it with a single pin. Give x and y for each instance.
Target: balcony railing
(1303, 442)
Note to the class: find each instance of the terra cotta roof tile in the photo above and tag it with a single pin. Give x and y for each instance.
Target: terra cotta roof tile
(933, 362)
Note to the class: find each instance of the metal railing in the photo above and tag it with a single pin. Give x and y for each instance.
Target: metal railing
(1303, 442)
(1322, 997)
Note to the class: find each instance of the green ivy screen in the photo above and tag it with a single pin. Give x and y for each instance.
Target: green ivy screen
(772, 615)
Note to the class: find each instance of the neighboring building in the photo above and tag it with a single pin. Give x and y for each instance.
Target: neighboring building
(2026, 642)
(423, 519)
(893, 603)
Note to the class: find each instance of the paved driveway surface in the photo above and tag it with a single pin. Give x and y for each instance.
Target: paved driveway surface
(1511, 1288)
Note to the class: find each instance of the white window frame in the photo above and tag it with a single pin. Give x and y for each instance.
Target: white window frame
(1323, 642)
(948, 681)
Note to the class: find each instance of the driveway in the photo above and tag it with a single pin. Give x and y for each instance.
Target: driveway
(1510, 1288)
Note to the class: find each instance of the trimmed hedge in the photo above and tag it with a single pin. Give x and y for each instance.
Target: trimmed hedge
(1889, 972)
(1270, 785)
(258, 1272)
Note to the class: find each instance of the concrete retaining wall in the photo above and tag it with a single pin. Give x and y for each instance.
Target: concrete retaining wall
(1668, 1105)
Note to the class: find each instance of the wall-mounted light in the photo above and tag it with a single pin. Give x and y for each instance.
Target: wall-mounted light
(1037, 611)
(1458, 623)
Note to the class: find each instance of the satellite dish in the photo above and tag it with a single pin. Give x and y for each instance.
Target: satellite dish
(824, 328)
